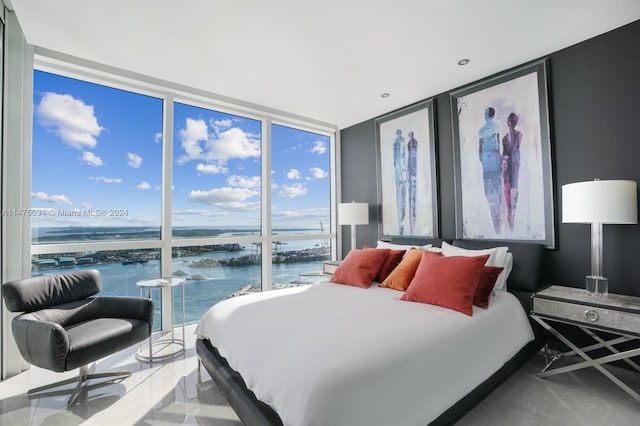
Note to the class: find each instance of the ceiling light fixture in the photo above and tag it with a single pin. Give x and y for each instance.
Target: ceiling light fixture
(464, 61)
(385, 95)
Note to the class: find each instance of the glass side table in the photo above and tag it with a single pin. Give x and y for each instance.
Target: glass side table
(171, 346)
(330, 267)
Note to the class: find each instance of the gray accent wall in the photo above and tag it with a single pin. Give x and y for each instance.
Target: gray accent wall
(594, 96)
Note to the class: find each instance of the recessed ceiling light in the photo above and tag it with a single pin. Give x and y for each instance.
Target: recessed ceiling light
(464, 61)
(385, 95)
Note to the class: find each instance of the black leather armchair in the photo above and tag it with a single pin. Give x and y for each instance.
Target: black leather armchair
(63, 326)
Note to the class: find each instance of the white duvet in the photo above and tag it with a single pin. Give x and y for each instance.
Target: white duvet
(337, 355)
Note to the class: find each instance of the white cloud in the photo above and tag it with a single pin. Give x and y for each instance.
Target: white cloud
(293, 174)
(222, 197)
(199, 212)
(134, 160)
(212, 168)
(105, 179)
(292, 191)
(318, 173)
(143, 185)
(195, 132)
(58, 199)
(220, 146)
(233, 143)
(87, 205)
(320, 147)
(219, 125)
(240, 205)
(305, 214)
(244, 181)
(314, 218)
(70, 119)
(294, 148)
(91, 159)
(158, 137)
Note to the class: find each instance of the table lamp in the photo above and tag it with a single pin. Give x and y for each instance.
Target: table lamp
(599, 202)
(353, 214)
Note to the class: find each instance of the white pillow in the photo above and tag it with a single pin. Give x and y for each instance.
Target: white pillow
(387, 245)
(498, 256)
(502, 278)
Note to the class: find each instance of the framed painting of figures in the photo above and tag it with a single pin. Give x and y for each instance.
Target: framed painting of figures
(407, 172)
(502, 158)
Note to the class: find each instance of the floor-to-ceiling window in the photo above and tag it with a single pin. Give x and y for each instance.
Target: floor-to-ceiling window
(216, 204)
(300, 204)
(96, 173)
(122, 185)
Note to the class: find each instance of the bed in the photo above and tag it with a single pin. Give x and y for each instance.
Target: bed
(331, 354)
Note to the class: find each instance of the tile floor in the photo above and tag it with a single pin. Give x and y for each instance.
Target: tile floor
(171, 392)
(174, 392)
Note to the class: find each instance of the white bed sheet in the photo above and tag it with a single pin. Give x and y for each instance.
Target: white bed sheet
(330, 354)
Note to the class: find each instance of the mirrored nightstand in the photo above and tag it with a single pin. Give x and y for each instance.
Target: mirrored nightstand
(615, 314)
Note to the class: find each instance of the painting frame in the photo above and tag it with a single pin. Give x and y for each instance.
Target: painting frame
(411, 169)
(504, 192)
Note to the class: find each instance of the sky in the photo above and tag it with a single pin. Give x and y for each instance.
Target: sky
(97, 161)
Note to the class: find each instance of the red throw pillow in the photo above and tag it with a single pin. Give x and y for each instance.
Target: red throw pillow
(393, 259)
(401, 276)
(447, 281)
(487, 281)
(359, 268)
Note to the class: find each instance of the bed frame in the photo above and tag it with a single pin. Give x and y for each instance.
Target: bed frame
(523, 280)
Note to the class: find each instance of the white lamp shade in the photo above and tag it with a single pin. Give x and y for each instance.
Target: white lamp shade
(600, 201)
(353, 213)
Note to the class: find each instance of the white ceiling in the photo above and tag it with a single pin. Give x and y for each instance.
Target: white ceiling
(328, 60)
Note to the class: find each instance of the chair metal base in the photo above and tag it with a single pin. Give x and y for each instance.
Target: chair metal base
(82, 379)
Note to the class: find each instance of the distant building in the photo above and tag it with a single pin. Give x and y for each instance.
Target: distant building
(46, 263)
(66, 261)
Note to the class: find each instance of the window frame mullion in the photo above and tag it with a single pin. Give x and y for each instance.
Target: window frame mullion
(265, 173)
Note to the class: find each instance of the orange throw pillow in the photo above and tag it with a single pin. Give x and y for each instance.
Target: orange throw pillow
(447, 281)
(360, 267)
(401, 276)
(393, 259)
(487, 281)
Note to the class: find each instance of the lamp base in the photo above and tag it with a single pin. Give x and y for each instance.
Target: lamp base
(597, 286)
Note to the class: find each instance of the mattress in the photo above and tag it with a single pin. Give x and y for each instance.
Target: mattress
(331, 354)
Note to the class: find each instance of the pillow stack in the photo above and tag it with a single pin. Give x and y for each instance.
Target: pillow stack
(451, 277)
